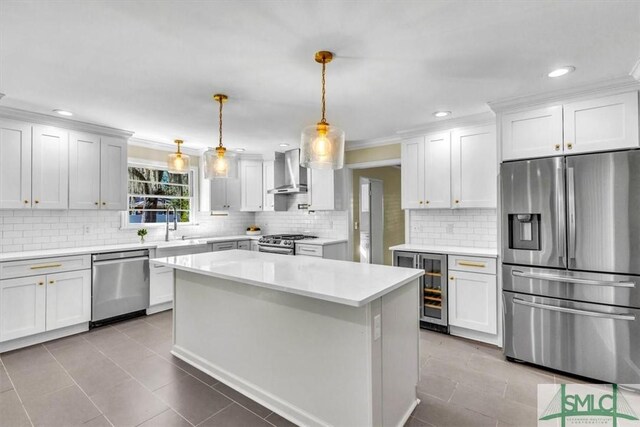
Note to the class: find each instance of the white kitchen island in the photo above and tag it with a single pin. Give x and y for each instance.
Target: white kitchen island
(320, 342)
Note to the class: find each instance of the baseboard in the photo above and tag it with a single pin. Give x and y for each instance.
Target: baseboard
(407, 415)
(475, 335)
(285, 409)
(43, 337)
(160, 307)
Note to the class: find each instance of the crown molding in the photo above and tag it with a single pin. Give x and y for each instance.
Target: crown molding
(635, 71)
(45, 119)
(480, 119)
(619, 84)
(169, 147)
(369, 143)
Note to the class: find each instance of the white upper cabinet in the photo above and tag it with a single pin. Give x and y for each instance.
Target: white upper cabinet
(592, 125)
(218, 187)
(268, 183)
(251, 188)
(474, 167)
(50, 168)
(412, 172)
(15, 164)
(84, 171)
(113, 173)
(437, 170)
(607, 123)
(97, 172)
(324, 189)
(534, 133)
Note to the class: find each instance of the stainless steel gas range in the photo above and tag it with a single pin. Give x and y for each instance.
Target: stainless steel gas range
(281, 243)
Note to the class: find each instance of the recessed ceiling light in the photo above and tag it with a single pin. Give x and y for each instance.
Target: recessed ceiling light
(240, 150)
(442, 113)
(63, 112)
(562, 71)
(284, 145)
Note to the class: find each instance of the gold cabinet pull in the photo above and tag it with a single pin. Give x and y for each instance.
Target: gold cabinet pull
(557, 147)
(452, 278)
(40, 283)
(569, 145)
(104, 203)
(26, 202)
(38, 267)
(37, 201)
(472, 264)
(420, 202)
(97, 203)
(427, 202)
(456, 201)
(51, 282)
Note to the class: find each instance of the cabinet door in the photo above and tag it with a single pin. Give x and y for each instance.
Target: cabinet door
(84, 171)
(254, 245)
(321, 189)
(218, 187)
(15, 164)
(161, 285)
(412, 171)
(113, 174)
(50, 168)
(251, 185)
(22, 307)
(474, 168)
(268, 183)
(607, 123)
(68, 299)
(437, 171)
(473, 301)
(244, 245)
(534, 133)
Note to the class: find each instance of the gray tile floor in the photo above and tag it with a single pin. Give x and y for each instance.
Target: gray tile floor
(125, 375)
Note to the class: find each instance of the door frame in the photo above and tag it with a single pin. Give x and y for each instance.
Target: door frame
(348, 190)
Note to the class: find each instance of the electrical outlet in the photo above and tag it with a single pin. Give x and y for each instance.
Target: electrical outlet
(415, 228)
(450, 228)
(330, 224)
(87, 229)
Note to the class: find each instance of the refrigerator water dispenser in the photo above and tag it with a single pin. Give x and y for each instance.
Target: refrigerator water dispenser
(524, 231)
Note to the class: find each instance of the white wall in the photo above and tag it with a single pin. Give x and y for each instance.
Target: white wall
(469, 227)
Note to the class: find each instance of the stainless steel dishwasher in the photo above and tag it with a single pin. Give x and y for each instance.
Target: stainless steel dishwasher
(120, 285)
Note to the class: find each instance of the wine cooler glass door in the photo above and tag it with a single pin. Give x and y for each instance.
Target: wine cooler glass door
(434, 288)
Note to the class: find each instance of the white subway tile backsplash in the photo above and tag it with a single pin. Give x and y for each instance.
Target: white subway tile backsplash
(461, 227)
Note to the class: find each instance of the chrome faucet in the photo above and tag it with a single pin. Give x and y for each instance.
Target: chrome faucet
(175, 222)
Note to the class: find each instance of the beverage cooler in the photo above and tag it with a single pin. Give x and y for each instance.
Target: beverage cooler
(433, 285)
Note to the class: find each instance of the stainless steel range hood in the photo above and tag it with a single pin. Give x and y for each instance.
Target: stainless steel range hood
(295, 176)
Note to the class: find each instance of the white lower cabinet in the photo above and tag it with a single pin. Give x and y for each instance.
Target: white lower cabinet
(31, 305)
(244, 245)
(473, 299)
(161, 285)
(254, 245)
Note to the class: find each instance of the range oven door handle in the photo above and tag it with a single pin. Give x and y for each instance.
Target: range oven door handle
(626, 317)
(275, 251)
(575, 280)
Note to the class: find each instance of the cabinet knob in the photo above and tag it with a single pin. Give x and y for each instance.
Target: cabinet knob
(452, 278)
(426, 202)
(40, 283)
(569, 145)
(557, 147)
(104, 203)
(97, 203)
(37, 201)
(456, 201)
(51, 282)
(26, 202)
(420, 201)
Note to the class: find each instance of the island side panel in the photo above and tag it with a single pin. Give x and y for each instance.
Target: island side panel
(400, 353)
(308, 359)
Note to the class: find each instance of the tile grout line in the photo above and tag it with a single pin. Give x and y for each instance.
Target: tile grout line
(193, 376)
(15, 390)
(78, 385)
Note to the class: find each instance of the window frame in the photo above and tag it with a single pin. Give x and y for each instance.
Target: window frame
(193, 181)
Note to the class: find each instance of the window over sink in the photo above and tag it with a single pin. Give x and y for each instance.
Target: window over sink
(153, 189)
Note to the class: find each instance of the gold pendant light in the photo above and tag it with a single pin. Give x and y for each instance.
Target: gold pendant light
(216, 163)
(322, 145)
(178, 162)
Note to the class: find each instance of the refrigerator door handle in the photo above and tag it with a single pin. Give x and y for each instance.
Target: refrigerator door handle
(560, 206)
(627, 317)
(575, 280)
(571, 205)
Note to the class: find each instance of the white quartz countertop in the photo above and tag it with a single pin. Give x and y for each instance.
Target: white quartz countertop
(342, 282)
(449, 250)
(48, 253)
(320, 241)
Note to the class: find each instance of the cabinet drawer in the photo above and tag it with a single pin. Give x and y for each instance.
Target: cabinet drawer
(309, 250)
(223, 246)
(471, 263)
(35, 267)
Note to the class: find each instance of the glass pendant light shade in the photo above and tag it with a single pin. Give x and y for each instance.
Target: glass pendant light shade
(322, 147)
(178, 162)
(217, 164)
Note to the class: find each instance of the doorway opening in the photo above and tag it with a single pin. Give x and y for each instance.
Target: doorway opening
(377, 218)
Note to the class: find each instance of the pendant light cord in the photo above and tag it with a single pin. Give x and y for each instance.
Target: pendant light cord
(220, 127)
(324, 67)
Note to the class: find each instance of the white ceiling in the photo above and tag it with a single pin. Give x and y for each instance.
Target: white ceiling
(151, 66)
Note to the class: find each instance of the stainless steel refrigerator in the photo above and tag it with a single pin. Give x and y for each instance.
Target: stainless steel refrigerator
(571, 264)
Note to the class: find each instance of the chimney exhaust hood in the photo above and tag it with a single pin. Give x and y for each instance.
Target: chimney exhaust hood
(295, 176)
